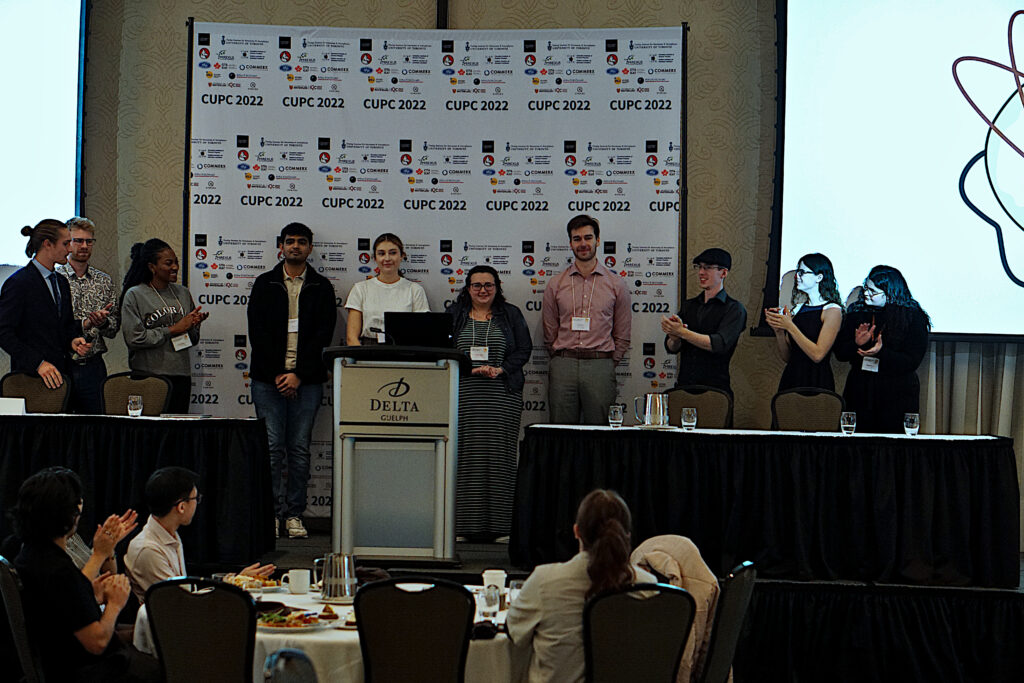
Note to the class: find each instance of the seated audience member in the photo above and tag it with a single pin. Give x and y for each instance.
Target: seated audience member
(74, 637)
(548, 614)
(101, 557)
(678, 560)
(156, 553)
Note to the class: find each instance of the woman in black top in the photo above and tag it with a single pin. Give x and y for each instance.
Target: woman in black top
(806, 335)
(74, 638)
(884, 338)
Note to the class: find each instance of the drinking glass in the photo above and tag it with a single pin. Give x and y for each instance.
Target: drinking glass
(911, 423)
(689, 419)
(615, 415)
(513, 589)
(848, 422)
(488, 601)
(135, 405)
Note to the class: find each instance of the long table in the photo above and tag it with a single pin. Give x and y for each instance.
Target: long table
(114, 456)
(934, 510)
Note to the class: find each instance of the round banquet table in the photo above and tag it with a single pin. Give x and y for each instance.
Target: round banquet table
(336, 655)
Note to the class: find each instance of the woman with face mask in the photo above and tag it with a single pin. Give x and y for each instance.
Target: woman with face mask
(805, 333)
(884, 338)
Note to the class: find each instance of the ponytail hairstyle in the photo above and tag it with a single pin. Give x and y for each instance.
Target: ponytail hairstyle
(46, 229)
(143, 254)
(603, 524)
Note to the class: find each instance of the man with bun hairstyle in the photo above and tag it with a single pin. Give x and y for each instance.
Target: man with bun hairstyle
(706, 330)
(37, 327)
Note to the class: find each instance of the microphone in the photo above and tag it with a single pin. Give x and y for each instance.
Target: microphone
(388, 339)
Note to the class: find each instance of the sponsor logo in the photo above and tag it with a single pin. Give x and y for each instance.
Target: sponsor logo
(529, 271)
(489, 171)
(365, 269)
(448, 72)
(570, 171)
(531, 72)
(201, 266)
(652, 171)
(243, 167)
(446, 271)
(406, 171)
(285, 67)
(611, 71)
(241, 366)
(324, 169)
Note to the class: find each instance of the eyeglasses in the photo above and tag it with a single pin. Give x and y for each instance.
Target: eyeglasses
(800, 272)
(84, 240)
(873, 292)
(477, 286)
(704, 266)
(198, 498)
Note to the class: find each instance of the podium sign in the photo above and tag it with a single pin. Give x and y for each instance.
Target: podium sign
(378, 398)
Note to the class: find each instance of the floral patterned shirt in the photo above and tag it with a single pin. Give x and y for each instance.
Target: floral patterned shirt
(89, 293)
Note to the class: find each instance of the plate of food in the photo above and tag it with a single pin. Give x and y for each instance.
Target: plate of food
(288, 620)
(254, 583)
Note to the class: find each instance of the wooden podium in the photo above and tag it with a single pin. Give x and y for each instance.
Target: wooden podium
(395, 449)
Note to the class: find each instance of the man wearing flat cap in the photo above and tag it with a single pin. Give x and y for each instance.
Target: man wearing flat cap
(706, 330)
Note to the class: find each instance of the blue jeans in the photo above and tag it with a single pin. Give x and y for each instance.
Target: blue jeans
(289, 429)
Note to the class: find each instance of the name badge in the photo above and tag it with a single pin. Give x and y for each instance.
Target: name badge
(580, 324)
(181, 342)
(478, 352)
(293, 324)
(869, 364)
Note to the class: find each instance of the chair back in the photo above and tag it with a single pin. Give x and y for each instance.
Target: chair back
(289, 666)
(209, 631)
(807, 409)
(10, 589)
(636, 634)
(38, 398)
(154, 390)
(725, 634)
(714, 406)
(414, 629)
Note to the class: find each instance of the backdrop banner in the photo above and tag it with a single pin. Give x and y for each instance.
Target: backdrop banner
(472, 146)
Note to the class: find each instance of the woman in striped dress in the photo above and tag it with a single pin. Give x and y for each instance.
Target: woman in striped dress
(493, 333)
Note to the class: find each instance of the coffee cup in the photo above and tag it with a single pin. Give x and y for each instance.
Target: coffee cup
(297, 580)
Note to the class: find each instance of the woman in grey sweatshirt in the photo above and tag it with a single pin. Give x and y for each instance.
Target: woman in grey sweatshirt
(159, 319)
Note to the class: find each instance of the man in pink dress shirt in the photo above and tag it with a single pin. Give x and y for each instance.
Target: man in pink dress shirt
(586, 315)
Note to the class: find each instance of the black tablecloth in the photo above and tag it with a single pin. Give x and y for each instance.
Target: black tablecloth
(844, 633)
(114, 456)
(919, 511)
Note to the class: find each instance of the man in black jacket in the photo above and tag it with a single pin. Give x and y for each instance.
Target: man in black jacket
(292, 314)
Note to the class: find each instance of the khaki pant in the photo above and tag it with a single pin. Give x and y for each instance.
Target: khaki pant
(580, 390)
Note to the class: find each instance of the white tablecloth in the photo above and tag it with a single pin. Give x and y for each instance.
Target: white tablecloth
(336, 656)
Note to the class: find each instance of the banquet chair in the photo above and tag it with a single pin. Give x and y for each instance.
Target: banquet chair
(154, 390)
(289, 666)
(210, 631)
(415, 629)
(714, 406)
(10, 589)
(807, 409)
(725, 633)
(38, 398)
(636, 634)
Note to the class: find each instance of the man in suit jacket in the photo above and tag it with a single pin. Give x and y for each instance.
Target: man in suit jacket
(37, 327)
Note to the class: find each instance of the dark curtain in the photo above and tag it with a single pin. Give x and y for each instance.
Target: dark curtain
(115, 456)
(862, 634)
(916, 511)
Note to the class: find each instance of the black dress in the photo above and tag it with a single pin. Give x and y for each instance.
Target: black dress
(881, 398)
(800, 370)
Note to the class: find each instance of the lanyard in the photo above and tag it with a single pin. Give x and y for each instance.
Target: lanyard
(590, 306)
(486, 335)
(164, 302)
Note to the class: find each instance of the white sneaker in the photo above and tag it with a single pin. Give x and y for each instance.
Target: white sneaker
(293, 525)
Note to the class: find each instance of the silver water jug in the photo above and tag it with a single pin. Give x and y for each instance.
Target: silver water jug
(655, 412)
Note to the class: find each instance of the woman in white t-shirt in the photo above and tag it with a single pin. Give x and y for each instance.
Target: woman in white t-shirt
(389, 291)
